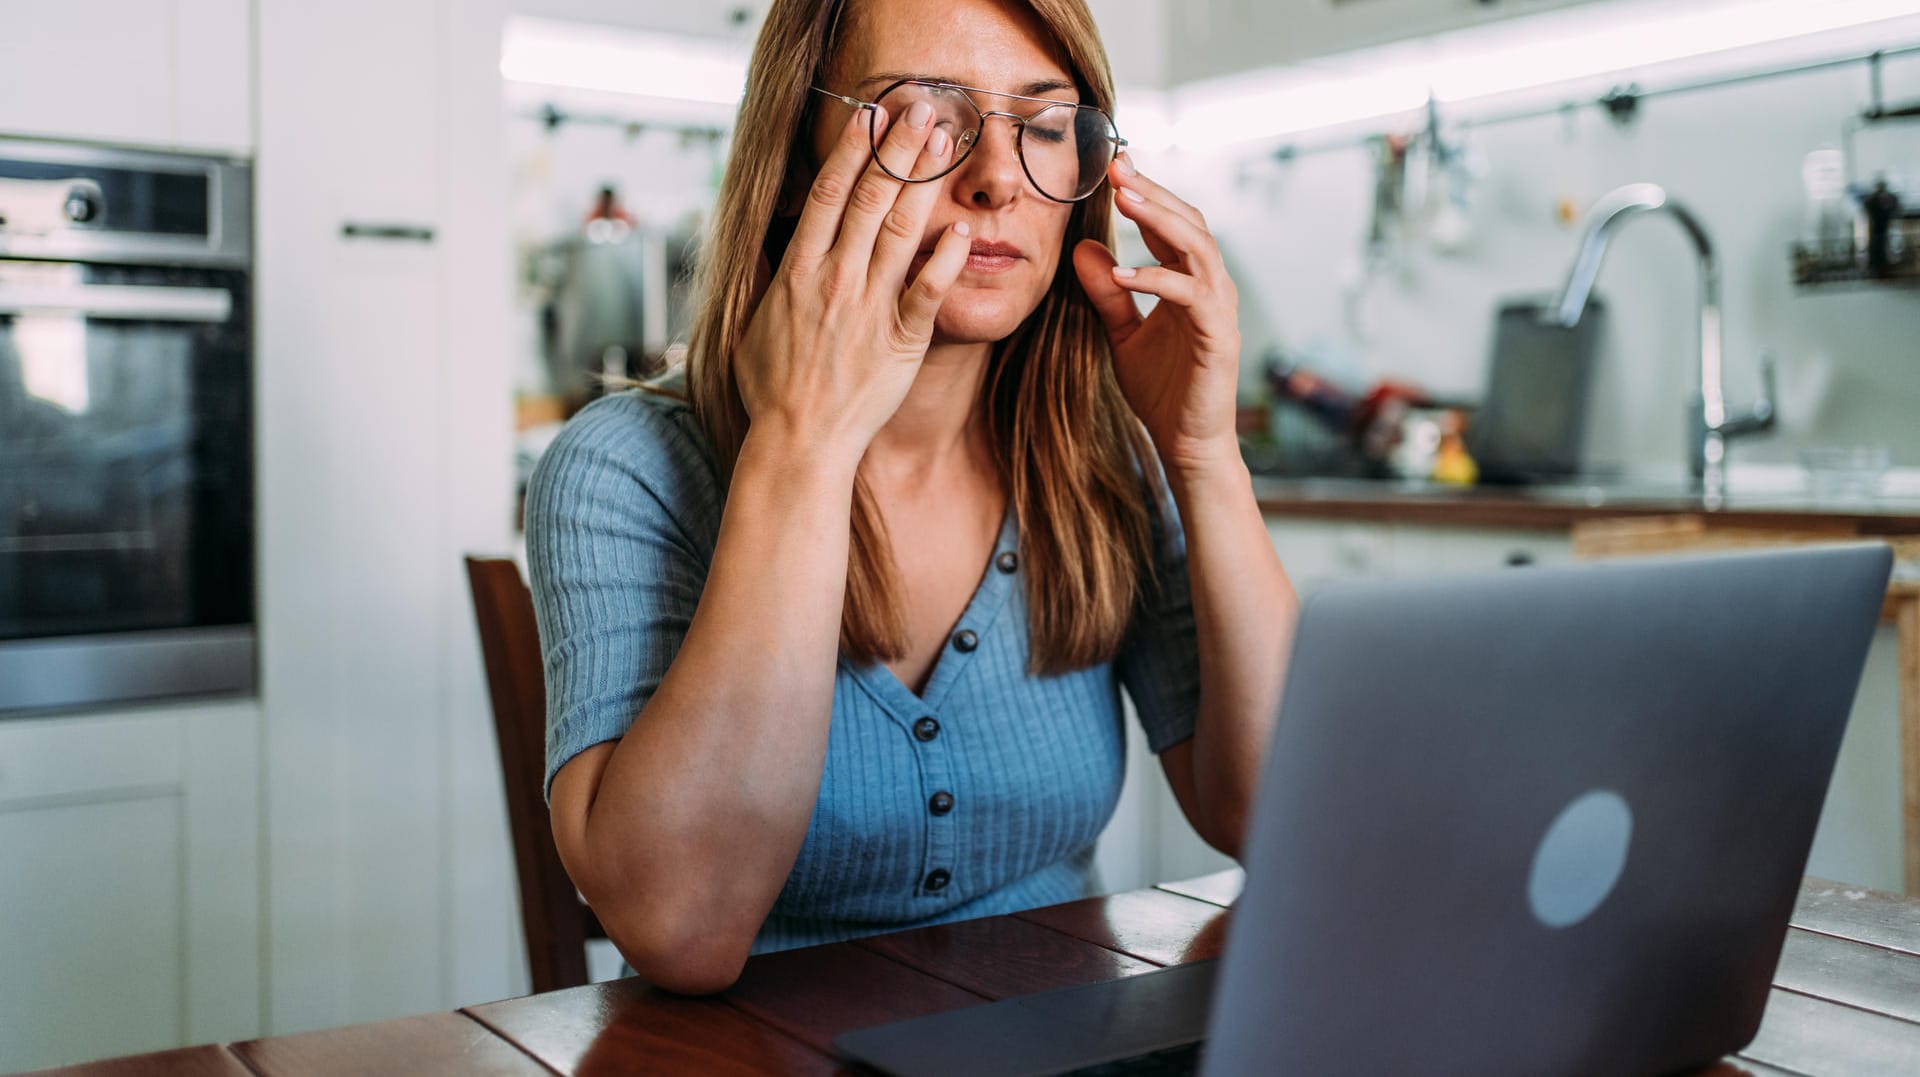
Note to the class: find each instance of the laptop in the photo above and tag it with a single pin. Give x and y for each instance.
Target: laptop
(1541, 821)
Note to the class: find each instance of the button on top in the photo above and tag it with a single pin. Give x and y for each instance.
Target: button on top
(941, 803)
(926, 728)
(1008, 562)
(965, 641)
(937, 879)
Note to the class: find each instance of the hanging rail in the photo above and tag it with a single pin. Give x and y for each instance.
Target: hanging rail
(1623, 101)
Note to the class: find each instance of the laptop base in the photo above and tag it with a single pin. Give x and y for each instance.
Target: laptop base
(1053, 1032)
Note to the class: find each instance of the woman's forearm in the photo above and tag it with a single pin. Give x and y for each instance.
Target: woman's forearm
(702, 806)
(1244, 609)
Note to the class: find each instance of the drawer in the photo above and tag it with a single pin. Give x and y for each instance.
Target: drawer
(89, 755)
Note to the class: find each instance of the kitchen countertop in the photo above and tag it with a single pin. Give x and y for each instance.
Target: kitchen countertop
(1769, 503)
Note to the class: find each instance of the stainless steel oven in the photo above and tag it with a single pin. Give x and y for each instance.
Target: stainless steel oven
(126, 440)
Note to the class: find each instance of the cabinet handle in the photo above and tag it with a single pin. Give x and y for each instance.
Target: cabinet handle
(412, 233)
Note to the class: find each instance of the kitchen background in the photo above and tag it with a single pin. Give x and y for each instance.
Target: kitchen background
(435, 270)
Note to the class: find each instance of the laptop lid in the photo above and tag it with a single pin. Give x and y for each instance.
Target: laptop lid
(1545, 821)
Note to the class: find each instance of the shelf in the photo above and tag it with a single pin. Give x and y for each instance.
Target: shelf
(1812, 273)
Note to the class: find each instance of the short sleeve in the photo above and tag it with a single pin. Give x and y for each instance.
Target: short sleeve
(622, 515)
(1160, 661)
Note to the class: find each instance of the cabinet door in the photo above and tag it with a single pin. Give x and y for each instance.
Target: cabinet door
(212, 51)
(1318, 551)
(1859, 836)
(1442, 551)
(129, 877)
(92, 945)
(385, 449)
(93, 70)
(351, 365)
(163, 73)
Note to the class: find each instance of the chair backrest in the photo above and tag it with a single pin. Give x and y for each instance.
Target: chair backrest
(556, 923)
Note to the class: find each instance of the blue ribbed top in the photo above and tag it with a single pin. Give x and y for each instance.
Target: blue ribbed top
(623, 513)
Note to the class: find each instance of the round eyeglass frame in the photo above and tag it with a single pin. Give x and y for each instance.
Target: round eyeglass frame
(1114, 142)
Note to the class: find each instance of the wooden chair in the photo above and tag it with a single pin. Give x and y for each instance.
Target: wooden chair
(557, 923)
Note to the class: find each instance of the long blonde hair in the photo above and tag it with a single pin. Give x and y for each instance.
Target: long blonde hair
(1077, 464)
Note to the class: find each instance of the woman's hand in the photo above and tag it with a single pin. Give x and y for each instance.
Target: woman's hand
(838, 337)
(1179, 367)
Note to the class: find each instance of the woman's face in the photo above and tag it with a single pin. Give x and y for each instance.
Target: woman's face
(993, 46)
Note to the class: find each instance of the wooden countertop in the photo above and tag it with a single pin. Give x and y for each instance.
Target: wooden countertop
(1557, 508)
(1844, 997)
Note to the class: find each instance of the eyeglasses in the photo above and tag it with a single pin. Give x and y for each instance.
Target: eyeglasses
(1064, 148)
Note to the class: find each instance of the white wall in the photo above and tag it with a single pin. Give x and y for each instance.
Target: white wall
(1294, 232)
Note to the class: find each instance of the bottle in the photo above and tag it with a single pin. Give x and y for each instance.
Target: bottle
(1882, 206)
(1828, 229)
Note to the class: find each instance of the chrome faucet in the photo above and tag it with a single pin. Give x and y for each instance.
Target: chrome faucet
(1709, 426)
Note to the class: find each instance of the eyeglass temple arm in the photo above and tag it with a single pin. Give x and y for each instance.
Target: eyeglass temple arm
(845, 100)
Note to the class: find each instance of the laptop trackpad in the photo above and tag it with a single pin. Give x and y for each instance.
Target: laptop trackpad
(1047, 1033)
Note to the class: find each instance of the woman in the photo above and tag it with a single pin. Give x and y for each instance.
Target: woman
(786, 705)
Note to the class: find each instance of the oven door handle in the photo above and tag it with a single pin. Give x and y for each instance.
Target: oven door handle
(132, 302)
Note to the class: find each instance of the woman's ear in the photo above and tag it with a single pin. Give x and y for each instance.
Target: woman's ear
(793, 199)
(794, 185)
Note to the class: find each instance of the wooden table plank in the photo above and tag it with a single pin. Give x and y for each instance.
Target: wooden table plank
(1152, 925)
(626, 1025)
(1853, 912)
(433, 1043)
(1854, 973)
(816, 993)
(1814, 1036)
(1220, 888)
(208, 1061)
(1003, 955)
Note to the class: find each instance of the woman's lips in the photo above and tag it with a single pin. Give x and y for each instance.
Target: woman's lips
(985, 256)
(990, 257)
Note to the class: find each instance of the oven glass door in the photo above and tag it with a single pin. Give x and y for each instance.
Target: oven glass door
(126, 471)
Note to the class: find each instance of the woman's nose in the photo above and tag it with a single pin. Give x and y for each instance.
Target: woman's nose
(991, 176)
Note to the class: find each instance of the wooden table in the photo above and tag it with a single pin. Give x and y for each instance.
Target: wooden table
(1846, 998)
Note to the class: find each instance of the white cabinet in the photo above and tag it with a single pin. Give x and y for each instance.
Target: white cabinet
(1445, 551)
(1148, 840)
(172, 74)
(131, 882)
(1319, 551)
(1218, 37)
(385, 452)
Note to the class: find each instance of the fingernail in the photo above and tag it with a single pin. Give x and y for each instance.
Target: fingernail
(1123, 271)
(1132, 195)
(919, 114)
(963, 228)
(1126, 164)
(938, 143)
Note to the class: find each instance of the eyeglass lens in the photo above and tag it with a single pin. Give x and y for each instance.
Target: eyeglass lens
(1065, 149)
